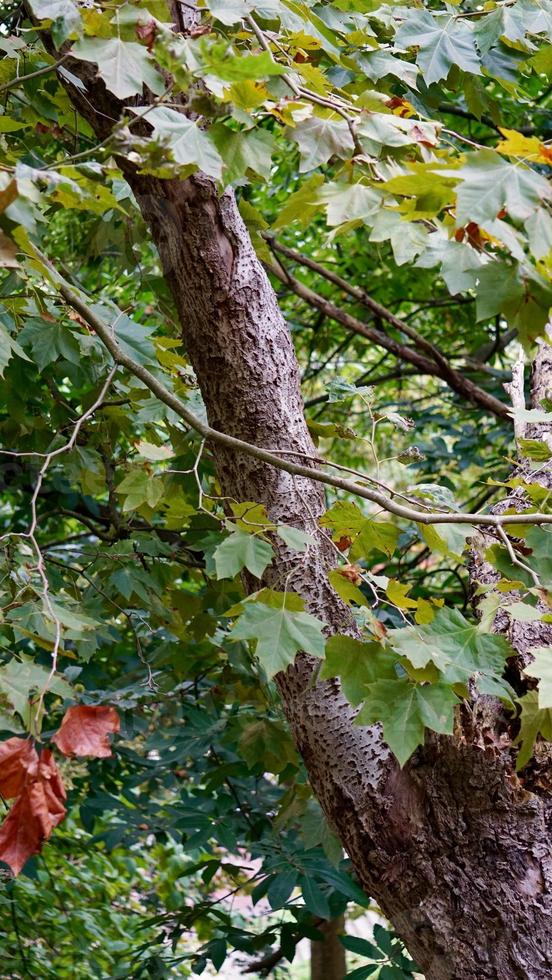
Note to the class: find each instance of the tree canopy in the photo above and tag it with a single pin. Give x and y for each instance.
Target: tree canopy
(392, 164)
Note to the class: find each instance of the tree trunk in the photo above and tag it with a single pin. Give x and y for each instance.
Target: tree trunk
(454, 848)
(328, 957)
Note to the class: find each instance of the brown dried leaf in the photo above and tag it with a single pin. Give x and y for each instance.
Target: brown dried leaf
(8, 253)
(85, 730)
(17, 758)
(8, 195)
(36, 812)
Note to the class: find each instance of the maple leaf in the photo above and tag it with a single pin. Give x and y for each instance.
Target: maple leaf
(279, 634)
(17, 758)
(37, 811)
(85, 730)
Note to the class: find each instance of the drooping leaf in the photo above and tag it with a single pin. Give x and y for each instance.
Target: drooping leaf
(295, 537)
(85, 730)
(17, 757)
(533, 721)
(9, 347)
(36, 812)
(302, 205)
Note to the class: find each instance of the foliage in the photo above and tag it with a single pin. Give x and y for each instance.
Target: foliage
(405, 148)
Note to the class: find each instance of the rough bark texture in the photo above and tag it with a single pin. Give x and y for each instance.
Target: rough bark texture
(454, 847)
(328, 957)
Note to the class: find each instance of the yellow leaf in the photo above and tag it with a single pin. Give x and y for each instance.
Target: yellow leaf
(397, 593)
(517, 145)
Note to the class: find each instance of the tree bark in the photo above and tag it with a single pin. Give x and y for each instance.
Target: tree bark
(328, 961)
(454, 847)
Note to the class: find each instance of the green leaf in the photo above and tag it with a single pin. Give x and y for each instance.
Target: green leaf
(456, 647)
(539, 228)
(491, 183)
(446, 539)
(52, 9)
(319, 139)
(360, 946)
(349, 202)
(295, 538)
(541, 667)
(498, 291)
(533, 722)
(346, 589)
(133, 337)
(244, 154)
(125, 66)
(241, 550)
(188, 143)
(64, 14)
(281, 887)
(279, 634)
(243, 67)
(231, 11)
(375, 536)
(9, 125)
(303, 205)
(379, 130)
(408, 238)
(378, 64)
(534, 449)
(397, 593)
(48, 341)
(314, 898)
(405, 710)
(9, 347)
(344, 518)
(442, 40)
(21, 678)
(138, 487)
(356, 664)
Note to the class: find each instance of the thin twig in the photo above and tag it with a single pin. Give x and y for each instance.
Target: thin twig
(32, 74)
(107, 336)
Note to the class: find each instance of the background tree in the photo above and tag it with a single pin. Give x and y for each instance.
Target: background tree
(179, 545)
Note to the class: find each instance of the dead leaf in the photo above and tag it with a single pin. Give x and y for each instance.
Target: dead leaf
(146, 32)
(85, 730)
(8, 253)
(37, 811)
(344, 542)
(8, 195)
(18, 757)
(352, 573)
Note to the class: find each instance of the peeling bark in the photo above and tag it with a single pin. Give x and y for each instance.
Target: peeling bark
(454, 847)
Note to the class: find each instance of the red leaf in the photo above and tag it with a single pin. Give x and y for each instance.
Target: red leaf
(35, 813)
(17, 757)
(85, 730)
(147, 32)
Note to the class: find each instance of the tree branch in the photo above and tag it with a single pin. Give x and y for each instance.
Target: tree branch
(107, 336)
(436, 364)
